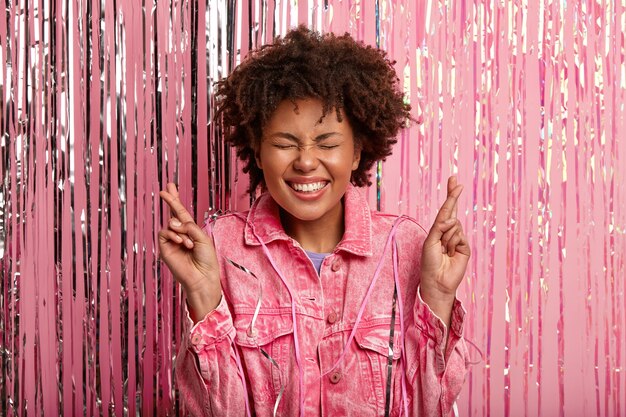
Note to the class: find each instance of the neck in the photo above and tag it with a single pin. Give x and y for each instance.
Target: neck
(321, 235)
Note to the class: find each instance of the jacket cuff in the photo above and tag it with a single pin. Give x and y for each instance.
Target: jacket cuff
(429, 323)
(213, 328)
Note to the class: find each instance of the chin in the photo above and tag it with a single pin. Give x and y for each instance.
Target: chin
(300, 215)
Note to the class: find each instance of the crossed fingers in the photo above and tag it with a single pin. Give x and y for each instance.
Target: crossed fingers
(452, 238)
(179, 214)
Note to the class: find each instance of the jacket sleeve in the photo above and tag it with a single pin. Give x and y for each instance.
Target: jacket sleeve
(206, 370)
(439, 371)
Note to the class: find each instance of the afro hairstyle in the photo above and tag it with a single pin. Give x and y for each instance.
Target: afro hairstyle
(337, 70)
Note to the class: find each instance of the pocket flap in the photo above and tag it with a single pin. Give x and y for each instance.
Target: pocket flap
(377, 339)
(267, 328)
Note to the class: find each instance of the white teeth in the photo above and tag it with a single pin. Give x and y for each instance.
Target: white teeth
(310, 187)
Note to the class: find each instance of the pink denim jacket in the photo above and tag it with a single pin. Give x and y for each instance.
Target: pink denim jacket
(247, 358)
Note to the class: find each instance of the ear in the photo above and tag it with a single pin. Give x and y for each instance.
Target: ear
(257, 156)
(357, 157)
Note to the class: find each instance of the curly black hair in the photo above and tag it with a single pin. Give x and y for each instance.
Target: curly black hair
(337, 70)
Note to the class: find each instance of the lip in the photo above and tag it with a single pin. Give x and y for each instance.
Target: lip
(306, 180)
(309, 196)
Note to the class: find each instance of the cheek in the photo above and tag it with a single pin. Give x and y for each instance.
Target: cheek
(350, 162)
(272, 163)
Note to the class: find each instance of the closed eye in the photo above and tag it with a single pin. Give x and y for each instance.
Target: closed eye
(282, 146)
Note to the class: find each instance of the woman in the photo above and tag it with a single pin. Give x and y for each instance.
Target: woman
(310, 303)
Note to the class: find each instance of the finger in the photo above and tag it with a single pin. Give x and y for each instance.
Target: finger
(189, 230)
(447, 208)
(452, 244)
(172, 189)
(177, 238)
(171, 197)
(463, 246)
(454, 229)
(437, 231)
(175, 226)
(452, 183)
(170, 235)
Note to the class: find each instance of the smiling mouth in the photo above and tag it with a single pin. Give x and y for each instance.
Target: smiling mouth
(309, 187)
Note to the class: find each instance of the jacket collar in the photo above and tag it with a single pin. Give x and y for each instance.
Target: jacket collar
(264, 221)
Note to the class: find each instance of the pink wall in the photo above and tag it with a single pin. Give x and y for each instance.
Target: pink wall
(102, 103)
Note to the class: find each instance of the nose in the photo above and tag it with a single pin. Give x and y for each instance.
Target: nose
(306, 160)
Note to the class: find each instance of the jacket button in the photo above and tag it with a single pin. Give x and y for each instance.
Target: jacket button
(252, 332)
(336, 265)
(196, 339)
(332, 317)
(335, 377)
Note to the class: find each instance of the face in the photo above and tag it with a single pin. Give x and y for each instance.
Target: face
(307, 163)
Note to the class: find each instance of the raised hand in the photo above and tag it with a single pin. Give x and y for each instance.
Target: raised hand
(445, 255)
(190, 255)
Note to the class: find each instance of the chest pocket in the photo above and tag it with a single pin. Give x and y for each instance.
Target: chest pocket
(273, 334)
(373, 357)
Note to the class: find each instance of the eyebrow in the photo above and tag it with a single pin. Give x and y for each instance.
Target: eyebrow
(296, 139)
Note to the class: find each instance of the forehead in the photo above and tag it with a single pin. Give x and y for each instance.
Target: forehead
(304, 114)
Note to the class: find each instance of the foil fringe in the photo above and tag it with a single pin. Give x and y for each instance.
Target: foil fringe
(103, 103)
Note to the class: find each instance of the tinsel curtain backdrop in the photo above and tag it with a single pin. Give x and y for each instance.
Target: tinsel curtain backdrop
(102, 103)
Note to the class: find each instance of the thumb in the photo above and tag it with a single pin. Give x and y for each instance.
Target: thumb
(197, 234)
